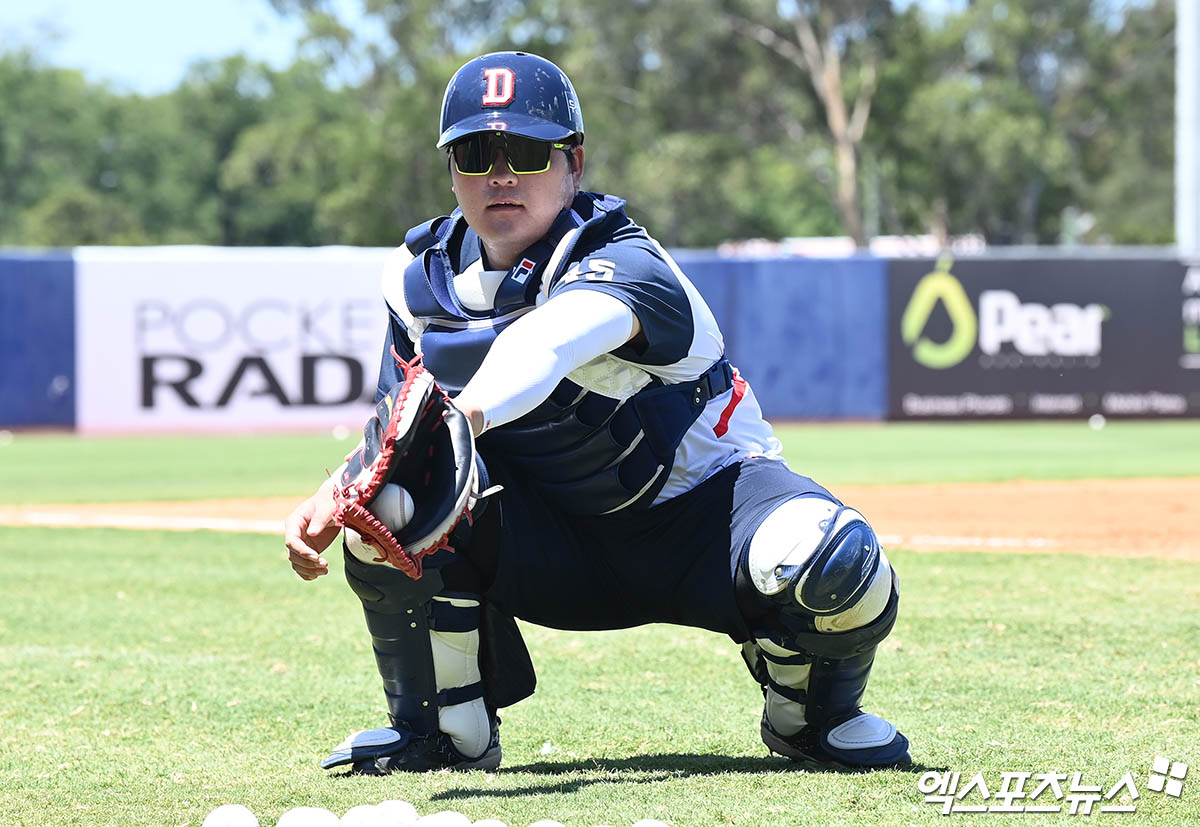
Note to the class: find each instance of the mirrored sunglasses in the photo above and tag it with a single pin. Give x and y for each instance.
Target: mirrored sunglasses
(476, 154)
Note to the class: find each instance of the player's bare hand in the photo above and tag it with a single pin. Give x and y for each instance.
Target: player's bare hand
(308, 531)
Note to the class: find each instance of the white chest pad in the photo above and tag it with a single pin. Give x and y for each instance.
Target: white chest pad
(476, 288)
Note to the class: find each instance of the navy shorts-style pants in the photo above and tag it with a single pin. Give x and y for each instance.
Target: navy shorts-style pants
(673, 563)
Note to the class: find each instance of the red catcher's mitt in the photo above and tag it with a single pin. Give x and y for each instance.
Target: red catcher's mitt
(420, 441)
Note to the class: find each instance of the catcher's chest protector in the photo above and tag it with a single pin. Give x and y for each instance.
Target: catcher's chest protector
(585, 452)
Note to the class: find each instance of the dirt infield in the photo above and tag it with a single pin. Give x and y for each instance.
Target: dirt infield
(1126, 518)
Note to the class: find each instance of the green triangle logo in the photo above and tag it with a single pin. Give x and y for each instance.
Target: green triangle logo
(939, 286)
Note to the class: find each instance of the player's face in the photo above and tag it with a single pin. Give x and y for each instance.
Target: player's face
(510, 211)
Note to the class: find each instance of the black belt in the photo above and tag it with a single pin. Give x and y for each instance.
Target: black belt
(713, 382)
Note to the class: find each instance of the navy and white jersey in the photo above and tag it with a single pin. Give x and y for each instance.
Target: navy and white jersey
(639, 425)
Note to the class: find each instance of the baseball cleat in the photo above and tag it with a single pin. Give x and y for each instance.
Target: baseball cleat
(388, 749)
(860, 742)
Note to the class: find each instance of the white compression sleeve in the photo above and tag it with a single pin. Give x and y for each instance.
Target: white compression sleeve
(530, 358)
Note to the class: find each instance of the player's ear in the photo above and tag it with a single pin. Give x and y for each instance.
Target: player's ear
(577, 167)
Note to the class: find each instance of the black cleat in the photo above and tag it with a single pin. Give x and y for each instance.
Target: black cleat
(860, 742)
(388, 749)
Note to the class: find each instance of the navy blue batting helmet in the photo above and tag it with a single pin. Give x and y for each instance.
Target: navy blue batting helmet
(510, 92)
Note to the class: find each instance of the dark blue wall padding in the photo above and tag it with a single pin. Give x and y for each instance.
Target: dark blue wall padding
(808, 334)
(37, 340)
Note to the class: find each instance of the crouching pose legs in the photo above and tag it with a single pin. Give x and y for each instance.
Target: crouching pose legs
(820, 595)
(427, 643)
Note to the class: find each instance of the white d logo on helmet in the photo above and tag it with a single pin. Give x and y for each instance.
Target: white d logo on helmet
(501, 86)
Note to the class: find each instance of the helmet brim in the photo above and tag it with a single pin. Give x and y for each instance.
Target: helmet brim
(501, 121)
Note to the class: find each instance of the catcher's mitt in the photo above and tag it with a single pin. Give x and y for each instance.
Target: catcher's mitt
(420, 441)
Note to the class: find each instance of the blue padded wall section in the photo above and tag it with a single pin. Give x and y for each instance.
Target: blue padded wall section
(37, 339)
(808, 334)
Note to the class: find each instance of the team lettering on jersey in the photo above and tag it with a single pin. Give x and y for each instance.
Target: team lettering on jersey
(501, 86)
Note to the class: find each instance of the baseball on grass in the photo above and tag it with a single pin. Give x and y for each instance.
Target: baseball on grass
(1097, 421)
(364, 815)
(309, 817)
(397, 813)
(231, 815)
(393, 506)
(444, 818)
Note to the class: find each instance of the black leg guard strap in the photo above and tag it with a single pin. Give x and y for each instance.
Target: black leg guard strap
(836, 687)
(396, 609)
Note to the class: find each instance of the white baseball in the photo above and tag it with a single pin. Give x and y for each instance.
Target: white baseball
(393, 506)
(309, 817)
(444, 818)
(364, 815)
(359, 547)
(231, 815)
(396, 813)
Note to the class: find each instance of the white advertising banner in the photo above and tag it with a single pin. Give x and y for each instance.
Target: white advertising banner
(213, 338)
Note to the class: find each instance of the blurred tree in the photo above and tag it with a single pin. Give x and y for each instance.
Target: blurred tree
(73, 214)
(688, 163)
(1022, 120)
(1121, 118)
(835, 47)
(694, 127)
(50, 134)
(390, 176)
(281, 166)
(986, 119)
(218, 102)
(151, 162)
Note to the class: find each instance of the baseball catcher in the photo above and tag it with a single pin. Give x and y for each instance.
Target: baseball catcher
(581, 454)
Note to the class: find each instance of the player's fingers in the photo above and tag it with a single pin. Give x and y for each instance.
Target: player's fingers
(320, 521)
(296, 526)
(322, 526)
(297, 548)
(320, 538)
(315, 523)
(304, 574)
(300, 530)
(308, 565)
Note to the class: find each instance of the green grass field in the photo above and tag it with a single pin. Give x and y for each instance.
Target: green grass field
(147, 677)
(70, 469)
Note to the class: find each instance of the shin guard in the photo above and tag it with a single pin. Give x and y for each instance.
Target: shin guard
(820, 609)
(396, 608)
(454, 642)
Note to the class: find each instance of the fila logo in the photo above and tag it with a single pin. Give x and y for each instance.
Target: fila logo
(501, 86)
(524, 270)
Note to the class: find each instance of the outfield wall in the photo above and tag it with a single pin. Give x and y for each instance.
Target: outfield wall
(37, 339)
(219, 339)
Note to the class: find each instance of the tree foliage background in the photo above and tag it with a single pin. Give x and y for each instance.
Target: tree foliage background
(1024, 121)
